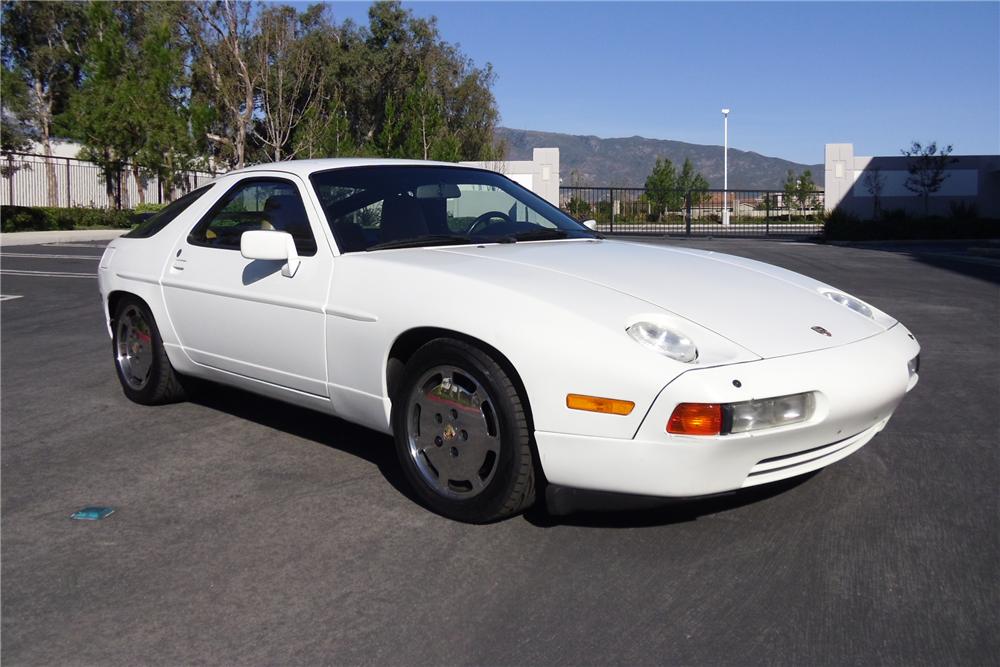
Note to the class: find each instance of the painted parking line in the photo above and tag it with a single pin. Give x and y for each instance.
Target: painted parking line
(9, 297)
(42, 255)
(46, 274)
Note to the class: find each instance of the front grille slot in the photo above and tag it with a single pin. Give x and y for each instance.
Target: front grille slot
(805, 451)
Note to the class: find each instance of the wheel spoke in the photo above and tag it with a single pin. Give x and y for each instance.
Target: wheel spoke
(442, 460)
(427, 425)
(141, 363)
(135, 350)
(449, 432)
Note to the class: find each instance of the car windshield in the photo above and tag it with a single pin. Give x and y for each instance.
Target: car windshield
(384, 207)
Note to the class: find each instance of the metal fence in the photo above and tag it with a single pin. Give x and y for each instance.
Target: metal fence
(697, 212)
(34, 180)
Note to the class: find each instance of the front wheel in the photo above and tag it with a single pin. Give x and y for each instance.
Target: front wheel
(143, 368)
(462, 434)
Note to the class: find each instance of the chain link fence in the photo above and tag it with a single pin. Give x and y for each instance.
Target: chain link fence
(696, 212)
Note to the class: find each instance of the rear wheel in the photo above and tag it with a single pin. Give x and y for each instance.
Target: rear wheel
(462, 434)
(143, 368)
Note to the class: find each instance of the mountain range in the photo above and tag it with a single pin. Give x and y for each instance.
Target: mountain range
(627, 161)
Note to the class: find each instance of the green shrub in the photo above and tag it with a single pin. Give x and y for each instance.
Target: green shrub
(962, 210)
(896, 215)
(149, 207)
(839, 216)
(44, 218)
(893, 226)
(25, 218)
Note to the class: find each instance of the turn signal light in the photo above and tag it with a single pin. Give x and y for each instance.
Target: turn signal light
(696, 419)
(609, 406)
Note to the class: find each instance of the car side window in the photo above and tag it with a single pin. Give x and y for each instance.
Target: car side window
(166, 215)
(256, 204)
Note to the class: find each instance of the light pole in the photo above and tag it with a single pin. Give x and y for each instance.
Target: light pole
(725, 166)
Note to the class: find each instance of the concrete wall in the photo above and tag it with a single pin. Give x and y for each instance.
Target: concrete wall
(971, 179)
(540, 174)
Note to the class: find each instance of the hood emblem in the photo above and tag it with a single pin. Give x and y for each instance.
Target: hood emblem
(821, 330)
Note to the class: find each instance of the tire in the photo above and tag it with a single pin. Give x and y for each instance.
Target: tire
(462, 434)
(141, 362)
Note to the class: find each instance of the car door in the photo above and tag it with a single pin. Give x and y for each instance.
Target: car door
(243, 316)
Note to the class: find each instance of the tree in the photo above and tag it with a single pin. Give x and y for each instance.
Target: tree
(389, 142)
(874, 182)
(662, 188)
(400, 52)
(805, 192)
(396, 89)
(220, 32)
(767, 203)
(105, 114)
(326, 128)
(157, 87)
(692, 184)
(791, 188)
(423, 110)
(288, 85)
(579, 207)
(15, 134)
(927, 166)
(41, 49)
(133, 108)
(470, 109)
(174, 126)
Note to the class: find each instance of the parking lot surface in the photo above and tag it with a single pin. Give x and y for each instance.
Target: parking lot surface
(246, 531)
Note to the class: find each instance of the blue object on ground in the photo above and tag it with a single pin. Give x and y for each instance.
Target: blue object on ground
(91, 513)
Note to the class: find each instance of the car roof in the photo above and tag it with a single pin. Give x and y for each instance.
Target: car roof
(306, 167)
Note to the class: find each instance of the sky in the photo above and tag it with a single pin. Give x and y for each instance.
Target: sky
(796, 75)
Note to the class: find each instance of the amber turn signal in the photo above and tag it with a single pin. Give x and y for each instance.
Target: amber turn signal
(696, 419)
(608, 406)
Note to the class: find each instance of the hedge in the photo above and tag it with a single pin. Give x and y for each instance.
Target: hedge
(44, 218)
(846, 228)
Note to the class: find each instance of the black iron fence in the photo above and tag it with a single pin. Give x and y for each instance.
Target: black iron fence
(35, 180)
(697, 212)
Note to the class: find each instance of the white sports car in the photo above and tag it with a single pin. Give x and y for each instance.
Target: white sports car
(500, 341)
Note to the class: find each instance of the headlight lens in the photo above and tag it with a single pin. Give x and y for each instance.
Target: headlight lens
(761, 413)
(772, 412)
(856, 305)
(664, 340)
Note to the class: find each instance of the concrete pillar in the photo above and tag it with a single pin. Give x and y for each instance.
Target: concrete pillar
(838, 174)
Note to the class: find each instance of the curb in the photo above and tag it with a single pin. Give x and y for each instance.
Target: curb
(59, 236)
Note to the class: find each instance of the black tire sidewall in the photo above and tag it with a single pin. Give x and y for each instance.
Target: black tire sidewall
(490, 503)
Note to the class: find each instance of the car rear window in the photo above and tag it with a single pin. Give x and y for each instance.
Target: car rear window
(166, 215)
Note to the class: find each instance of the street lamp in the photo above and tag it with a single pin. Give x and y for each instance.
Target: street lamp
(725, 166)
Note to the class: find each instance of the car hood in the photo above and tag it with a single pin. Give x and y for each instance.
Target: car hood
(765, 309)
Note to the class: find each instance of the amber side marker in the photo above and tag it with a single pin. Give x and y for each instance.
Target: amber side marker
(696, 419)
(608, 406)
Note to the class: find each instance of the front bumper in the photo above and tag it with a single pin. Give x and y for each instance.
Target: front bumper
(858, 387)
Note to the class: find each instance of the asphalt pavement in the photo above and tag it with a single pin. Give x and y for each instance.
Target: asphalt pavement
(246, 531)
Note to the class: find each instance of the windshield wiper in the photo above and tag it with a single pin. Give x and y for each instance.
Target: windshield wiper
(425, 240)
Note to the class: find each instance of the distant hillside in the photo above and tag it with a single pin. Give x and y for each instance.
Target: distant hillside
(628, 161)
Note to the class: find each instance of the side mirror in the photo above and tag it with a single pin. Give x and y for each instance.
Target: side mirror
(272, 246)
(590, 224)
